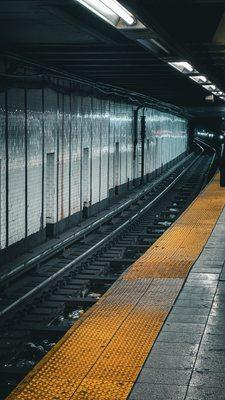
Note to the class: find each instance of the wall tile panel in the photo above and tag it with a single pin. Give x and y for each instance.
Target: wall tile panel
(96, 148)
(16, 143)
(34, 161)
(2, 172)
(104, 149)
(76, 133)
(50, 133)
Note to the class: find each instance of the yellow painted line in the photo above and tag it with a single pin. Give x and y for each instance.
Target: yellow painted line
(101, 356)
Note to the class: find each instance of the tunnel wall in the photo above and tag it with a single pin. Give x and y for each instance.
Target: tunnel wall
(61, 151)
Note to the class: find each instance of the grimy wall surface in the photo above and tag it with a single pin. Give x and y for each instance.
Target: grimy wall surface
(59, 152)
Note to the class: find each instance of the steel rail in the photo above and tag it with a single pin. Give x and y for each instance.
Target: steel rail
(80, 258)
(53, 250)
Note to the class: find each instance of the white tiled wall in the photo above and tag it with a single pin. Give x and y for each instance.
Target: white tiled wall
(104, 149)
(2, 173)
(111, 143)
(76, 132)
(16, 151)
(50, 187)
(87, 114)
(71, 123)
(50, 137)
(66, 157)
(34, 160)
(96, 146)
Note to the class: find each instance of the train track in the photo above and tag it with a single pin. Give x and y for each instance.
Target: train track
(38, 306)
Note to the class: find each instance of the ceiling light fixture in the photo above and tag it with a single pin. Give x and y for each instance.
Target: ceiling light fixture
(199, 78)
(186, 68)
(109, 10)
(210, 87)
(218, 93)
(182, 66)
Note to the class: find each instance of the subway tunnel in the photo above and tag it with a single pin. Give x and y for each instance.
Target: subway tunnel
(112, 176)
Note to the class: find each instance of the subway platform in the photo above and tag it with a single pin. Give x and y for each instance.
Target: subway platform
(159, 332)
(187, 360)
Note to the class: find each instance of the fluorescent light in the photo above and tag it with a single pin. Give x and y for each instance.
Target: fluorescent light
(116, 7)
(109, 10)
(199, 78)
(210, 87)
(219, 93)
(182, 66)
(221, 137)
(222, 97)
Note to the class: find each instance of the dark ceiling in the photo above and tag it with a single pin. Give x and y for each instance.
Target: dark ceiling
(63, 34)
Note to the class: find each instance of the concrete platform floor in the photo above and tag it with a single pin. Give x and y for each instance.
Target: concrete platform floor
(187, 360)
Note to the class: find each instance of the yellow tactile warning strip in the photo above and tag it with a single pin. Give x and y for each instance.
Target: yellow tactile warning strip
(101, 356)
